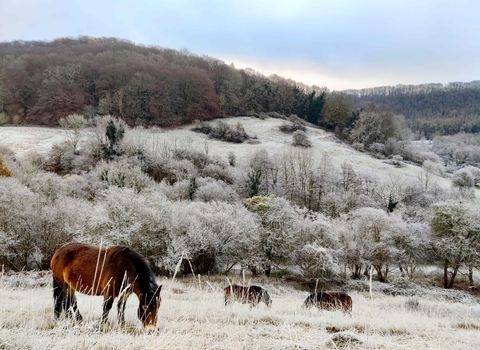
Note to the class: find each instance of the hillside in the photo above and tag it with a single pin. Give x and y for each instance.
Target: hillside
(176, 196)
(41, 82)
(428, 108)
(267, 136)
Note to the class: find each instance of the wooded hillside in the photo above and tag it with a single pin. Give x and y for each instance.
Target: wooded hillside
(41, 82)
(429, 108)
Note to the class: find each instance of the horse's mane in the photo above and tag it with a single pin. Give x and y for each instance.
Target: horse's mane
(148, 285)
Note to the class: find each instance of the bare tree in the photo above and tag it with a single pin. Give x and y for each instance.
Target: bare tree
(74, 125)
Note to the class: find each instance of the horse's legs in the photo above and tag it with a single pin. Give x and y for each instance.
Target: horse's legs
(71, 302)
(121, 309)
(58, 299)
(107, 305)
(78, 316)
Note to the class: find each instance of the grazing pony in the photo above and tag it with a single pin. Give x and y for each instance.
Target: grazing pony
(330, 301)
(252, 295)
(112, 272)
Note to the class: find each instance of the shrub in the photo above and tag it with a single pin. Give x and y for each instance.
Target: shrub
(108, 136)
(123, 174)
(210, 191)
(4, 171)
(421, 156)
(475, 173)
(33, 226)
(83, 163)
(290, 128)
(218, 173)
(377, 147)
(74, 124)
(231, 159)
(463, 178)
(223, 131)
(48, 185)
(6, 151)
(359, 146)
(179, 191)
(315, 260)
(168, 169)
(35, 158)
(86, 186)
(397, 160)
(60, 158)
(300, 139)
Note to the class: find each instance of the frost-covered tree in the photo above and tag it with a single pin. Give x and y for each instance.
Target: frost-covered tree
(211, 236)
(456, 232)
(33, 226)
(135, 220)
(261, 175)
(74, 125)
(463, 178)
(371, 238)
(280, 235)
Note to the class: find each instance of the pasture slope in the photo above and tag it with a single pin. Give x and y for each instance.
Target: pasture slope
(267, 135)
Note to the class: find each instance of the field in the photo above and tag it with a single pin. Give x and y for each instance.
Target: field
(267, 136)
(193, 316)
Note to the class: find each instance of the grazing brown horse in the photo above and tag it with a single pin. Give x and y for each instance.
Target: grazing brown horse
(112, 272)
(330, 301)
(252, 295)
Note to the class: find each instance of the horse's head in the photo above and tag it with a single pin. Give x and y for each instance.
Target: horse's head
(308, 303)
(266, 298)
(148, 309)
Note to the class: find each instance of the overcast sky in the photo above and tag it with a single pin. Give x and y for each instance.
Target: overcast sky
(340, 44)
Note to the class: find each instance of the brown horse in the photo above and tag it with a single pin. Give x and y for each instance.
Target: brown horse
(252, 295)
(330, 301)
(112, 272)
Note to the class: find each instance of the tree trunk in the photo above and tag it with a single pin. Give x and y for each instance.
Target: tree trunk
(454, 274)
(356, 272)
(268, 270)
(445, 274)
(380, 276)
(470, 276)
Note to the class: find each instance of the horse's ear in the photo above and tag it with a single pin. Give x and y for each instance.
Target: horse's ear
(158, 290)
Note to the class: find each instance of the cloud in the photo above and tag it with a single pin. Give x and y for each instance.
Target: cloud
(16, 18)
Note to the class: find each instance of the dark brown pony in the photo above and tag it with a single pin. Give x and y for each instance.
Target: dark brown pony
(252, 295)
(112, 272)
(330, 301)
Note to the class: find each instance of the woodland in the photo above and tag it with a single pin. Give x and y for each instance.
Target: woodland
(285, 215)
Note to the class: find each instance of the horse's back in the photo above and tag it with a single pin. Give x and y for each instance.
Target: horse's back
(72, 257)
(330, 301)
(337, 300)
(252, 294)
(85, 268)
(235, 291)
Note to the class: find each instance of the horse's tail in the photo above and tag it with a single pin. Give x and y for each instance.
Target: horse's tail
(228, 294)
(58, 298)
(349, 305)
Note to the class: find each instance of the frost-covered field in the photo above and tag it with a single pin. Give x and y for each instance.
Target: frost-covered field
(268, 136)
(193, 316)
